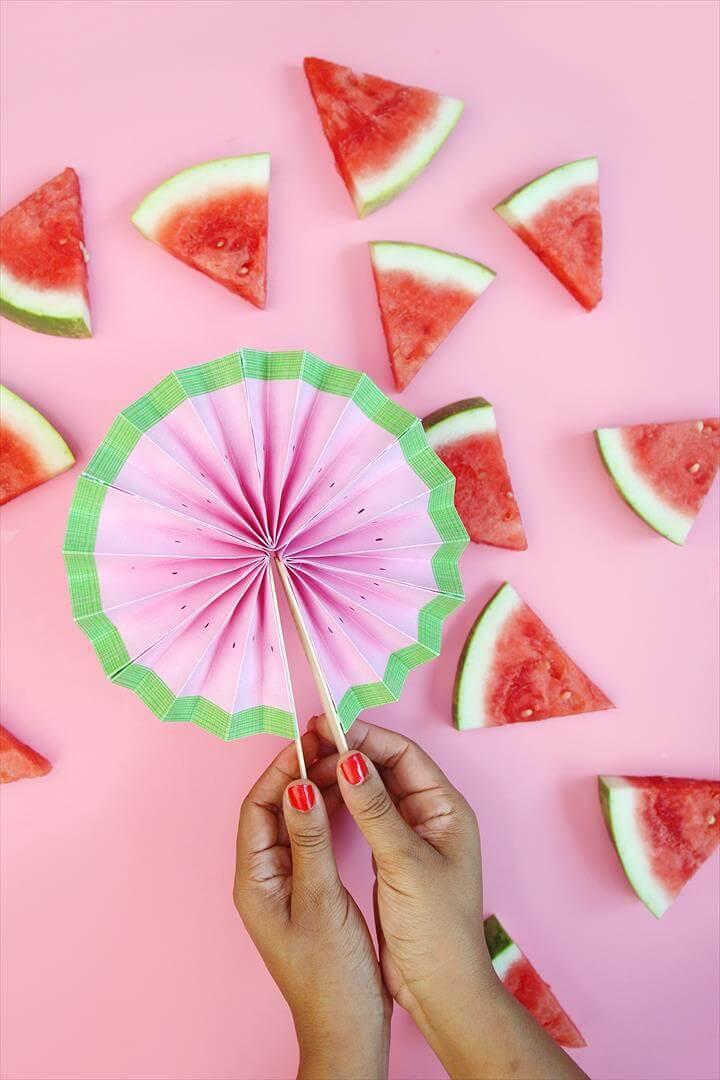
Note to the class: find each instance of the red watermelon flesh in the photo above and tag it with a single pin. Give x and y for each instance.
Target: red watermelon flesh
(521, 979)
(19, 761)
(663, 828)
(465, 437)
(422, 293)
(31, 450)
(513, 670)
(214, 218)
(558, 217)
(381, 133)
(43, 260)
(680, 460)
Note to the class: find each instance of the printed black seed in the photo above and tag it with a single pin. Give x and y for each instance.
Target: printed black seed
(206, 626)
(183, 606)
(233, 644)
(378, 539)
(173, 572)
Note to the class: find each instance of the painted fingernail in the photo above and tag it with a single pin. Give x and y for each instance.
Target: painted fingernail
(354, 769)
(301, 797)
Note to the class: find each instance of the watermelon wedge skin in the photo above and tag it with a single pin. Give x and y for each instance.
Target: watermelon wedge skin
(663, 471)
(423, 293)
(557, 216)
(663, 829)
(43, 261)
(382, 134)
(464, 435)
(214, 218)
(18, 761)
(522, 980)
(31, 450)
(512, 670)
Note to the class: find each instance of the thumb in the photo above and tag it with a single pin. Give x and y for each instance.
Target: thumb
(314, 867)
(367, 799)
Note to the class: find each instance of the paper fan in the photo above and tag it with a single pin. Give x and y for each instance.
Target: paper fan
(228, 472)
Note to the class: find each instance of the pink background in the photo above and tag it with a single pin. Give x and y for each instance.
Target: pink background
(123, 956)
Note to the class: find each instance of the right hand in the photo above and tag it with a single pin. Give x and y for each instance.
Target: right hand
(428, 906)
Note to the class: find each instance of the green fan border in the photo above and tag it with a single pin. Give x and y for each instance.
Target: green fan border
(111, 455)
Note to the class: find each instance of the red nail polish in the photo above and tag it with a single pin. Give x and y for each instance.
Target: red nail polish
(354, 769)
(301, 797)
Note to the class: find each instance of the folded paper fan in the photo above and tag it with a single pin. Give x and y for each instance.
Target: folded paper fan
(227, 473)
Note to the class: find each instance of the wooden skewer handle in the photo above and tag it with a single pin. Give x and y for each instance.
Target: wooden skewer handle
(322, 687)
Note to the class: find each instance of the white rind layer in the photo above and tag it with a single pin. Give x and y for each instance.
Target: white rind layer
(31, 426)
(461, 425)
(198, 183)
(504, 960)
(523, 205)
(439, 268)
(375, 189)
(623, 802)
(44, 303)
(478, 658)
(662, 517)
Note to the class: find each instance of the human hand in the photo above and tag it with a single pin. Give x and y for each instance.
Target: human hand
(428, 903)
(306, 926)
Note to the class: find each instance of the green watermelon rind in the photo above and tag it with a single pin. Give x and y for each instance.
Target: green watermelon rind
(41, 309)
(460, 420)
(437, 267)
(637, 493)
(385, 185)
(523, 204)
(196, 183)
(618, 801)
(33, 428)
(496, 936)
(474, 665)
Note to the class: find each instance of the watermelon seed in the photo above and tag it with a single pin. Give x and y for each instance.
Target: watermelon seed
(220, 243)
(183, 606)
(243, 270)
(700, 425)
(362, 510)
(206, 626)
(712, 819)
(233, 644)
(695, 468)
(63, 241)
(566, 695)
(173, 572)
(525, 713)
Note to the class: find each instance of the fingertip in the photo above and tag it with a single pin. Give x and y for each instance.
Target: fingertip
(301, 796)
(354, 768)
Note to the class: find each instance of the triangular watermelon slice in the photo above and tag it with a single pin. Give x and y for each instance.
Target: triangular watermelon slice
(382, 134)
(512, 670)
(19, 761)
(663, 829)
(214, 218)
(43, 271)
(517, 975)
(465, 437)
(663, 471)
(31, 450)
(558, 217)
(423, 293)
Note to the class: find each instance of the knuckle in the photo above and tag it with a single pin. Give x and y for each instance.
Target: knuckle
(378, 806)
(311, 839)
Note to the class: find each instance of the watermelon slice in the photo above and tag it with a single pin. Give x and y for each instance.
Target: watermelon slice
(382, 134)
(423, 293)
(663, 471)
(18, 761)
(465, 437)
(663, 829)
(558, 217)
(31, 450)
(214, 217)
(43, 271)
(513, 670)
(517, 974)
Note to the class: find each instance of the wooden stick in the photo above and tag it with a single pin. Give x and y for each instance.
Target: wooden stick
(298, 741)
(322, 687)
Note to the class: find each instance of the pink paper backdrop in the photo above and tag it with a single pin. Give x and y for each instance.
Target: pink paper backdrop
(123, 956)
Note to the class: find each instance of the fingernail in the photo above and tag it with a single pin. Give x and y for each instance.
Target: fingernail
(301, 797)
(354, 769)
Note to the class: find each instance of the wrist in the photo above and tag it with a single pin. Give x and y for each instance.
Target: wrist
(356, 1051)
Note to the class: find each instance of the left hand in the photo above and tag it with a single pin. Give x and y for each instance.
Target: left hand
(307, 927)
